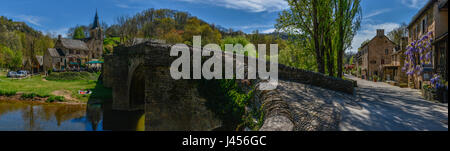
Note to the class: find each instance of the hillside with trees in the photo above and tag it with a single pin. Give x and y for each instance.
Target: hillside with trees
(18, 40)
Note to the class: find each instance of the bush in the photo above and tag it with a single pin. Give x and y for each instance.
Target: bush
(28, 95)
(7, 93)
(42, 96)
(33, 95)
(70, 76)
(55, 98)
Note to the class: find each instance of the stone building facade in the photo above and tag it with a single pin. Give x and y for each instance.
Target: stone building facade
(433, 17)
(70, 54)
(373, 55)
(393, 71)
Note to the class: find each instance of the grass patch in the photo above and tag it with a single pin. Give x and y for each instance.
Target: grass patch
(33, 95)
(71, 76)
(28, 95)
(45, 88)
(55, 98)
(7, 92)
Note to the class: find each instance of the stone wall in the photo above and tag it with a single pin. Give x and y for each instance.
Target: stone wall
(176, 104)
(316, 79)
(107, 71)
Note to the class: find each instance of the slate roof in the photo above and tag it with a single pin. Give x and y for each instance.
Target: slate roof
(421, 11)
(55, 52)
(74, 44)
(40, 60)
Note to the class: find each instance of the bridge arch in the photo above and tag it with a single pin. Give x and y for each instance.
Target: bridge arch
(137, 88)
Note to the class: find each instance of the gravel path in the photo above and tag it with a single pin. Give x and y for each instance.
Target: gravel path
(382, 107)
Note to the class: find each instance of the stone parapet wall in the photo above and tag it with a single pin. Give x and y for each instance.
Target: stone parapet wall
(277, 115)
(316, 79)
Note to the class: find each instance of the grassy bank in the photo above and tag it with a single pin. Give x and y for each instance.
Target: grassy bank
(56, 86)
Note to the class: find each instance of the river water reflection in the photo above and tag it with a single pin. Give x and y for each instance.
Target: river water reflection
(26, 116)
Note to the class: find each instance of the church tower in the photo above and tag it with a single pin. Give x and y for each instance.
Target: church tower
(96, 39)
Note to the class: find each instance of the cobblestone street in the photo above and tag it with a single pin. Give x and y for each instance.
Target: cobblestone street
(380, 106)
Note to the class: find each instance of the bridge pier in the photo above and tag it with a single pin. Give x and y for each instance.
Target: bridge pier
(141, 80)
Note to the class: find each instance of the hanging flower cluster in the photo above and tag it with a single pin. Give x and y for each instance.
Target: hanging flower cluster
(438, 82)
(419, 49)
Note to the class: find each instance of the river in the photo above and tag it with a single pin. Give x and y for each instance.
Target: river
(31, 116)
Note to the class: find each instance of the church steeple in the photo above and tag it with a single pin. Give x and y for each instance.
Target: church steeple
(96, 21)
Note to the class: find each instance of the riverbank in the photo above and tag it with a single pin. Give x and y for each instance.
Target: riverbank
(39, 89)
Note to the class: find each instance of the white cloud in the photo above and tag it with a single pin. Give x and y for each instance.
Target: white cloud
(247, 5)
(368, 31)
(123, 6)
(414, 3)
(268, 31)
(130, 4)
(244, 27)
(377, 12)
(61, 31)
(35, 20)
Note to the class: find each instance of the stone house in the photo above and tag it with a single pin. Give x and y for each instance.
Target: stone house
(393, 71)
(54, 59)
(70, 54)
(433, 17)
(373, 55)
(33, 64)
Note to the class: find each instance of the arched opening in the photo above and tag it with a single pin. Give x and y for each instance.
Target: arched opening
(137, 89)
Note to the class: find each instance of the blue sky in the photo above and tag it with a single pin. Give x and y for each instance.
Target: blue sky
(56, 16)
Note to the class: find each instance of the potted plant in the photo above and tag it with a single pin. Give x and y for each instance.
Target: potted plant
(375, 78)
(426, 91)
(440, 88)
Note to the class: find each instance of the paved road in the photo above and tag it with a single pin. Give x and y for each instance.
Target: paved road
(382, 107)
(313, 108)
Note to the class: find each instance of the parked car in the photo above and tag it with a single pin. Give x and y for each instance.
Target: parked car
(22, 73)
(11, 74)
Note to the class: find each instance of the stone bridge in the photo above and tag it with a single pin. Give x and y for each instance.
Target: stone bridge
(140, 80)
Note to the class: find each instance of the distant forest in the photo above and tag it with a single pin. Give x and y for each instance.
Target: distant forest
(19, 41)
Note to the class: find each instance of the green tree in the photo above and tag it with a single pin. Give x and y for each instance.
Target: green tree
(250, 51)
(398, 34)
(348, 19)
(303, 18)
(195, 27)
(351, 61)
(79, 33)
(9, 58)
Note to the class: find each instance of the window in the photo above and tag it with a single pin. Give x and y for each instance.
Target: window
(386, 51)
(382, 61)
(424, 25)
(416, 33)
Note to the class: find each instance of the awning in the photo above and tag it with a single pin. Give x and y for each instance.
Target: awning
(94, 62)
(73, 63)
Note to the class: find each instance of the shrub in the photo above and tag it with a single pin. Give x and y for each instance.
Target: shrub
(7, 93)
(28, 95)
(55, 98)
(70, 76)
(42, 96)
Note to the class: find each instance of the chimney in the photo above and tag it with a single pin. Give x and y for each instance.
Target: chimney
(59, 37)
(380, 32)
